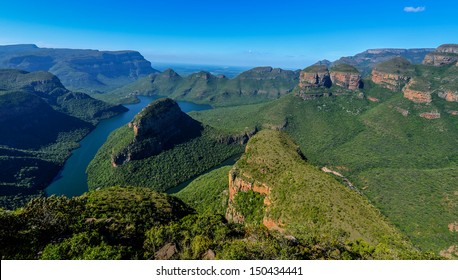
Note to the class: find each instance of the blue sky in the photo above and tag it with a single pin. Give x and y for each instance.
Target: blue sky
(288, 34)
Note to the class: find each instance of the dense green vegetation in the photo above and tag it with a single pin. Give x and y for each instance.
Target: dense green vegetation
(355, 136)
(208, 192)
(40, 123)
(165, 170)
(308, 203)
(137, 223)
(252, 86)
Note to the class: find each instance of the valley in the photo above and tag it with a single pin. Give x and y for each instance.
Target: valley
(384, 120)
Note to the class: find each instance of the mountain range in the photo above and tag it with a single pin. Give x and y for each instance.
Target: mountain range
(354, 159)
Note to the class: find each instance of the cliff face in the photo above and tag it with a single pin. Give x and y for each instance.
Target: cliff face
(394, 82)
(78, 69)
(315, 76)
(449, 95)
(393, 74)
(444, 55)
(351, 81)
(417, 96)
(318, 76)
(158, 127)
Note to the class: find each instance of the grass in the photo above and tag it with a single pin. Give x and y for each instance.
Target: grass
(355, 136)
(208, 193)
(311, 204)
(163, 171)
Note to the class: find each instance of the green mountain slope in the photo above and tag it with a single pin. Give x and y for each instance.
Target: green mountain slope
(40, 123)
(252, 86)
(358, 137)
(159, 149)
(305, 202)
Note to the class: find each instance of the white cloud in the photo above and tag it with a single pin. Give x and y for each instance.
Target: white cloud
(414, 9)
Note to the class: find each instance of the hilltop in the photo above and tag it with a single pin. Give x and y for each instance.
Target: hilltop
(84, 70)
(252, 86)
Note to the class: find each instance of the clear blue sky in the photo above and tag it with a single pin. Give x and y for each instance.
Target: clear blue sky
(283, 33)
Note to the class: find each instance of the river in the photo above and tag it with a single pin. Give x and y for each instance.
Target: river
(72, 179)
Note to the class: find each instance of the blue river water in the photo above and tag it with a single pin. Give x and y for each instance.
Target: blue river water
(72, 179)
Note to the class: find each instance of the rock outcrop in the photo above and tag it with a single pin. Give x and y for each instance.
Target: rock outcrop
(346, 76)
(393, 74)
(315, 76)
(158, 127)
(415, 95)
(449, 95)
(444, 55)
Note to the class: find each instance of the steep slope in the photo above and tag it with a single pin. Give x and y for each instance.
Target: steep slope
(366, 141)
(40, 123)
(87, 70)
(302, 201)
(317, 81)
(159, 149)
(444, 55)
(252, 86)
(49, 88)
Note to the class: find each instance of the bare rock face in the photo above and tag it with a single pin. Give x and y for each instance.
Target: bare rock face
(414, 95)
(238, 184)
(431, 115)
(315, 76)
(159, 126)
(348, 80)
(448, 48)
(449, 95)
(390, 81)
(444, 55)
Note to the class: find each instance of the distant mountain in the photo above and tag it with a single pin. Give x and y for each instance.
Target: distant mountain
(40, 123)
(366, 60)
(85, 70)
(252, 86)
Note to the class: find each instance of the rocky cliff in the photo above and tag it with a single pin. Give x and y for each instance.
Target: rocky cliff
(449, 95)
(443, 55)
(393, 74)
(417, 91)
(86, 70)
(346, 76)
(158, 127)
(314, 76)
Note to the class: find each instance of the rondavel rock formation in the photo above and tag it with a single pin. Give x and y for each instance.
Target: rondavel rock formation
(444, 54)
(318, 78)
(158, 127)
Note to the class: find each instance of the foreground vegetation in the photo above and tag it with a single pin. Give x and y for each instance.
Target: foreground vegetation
(137, 223)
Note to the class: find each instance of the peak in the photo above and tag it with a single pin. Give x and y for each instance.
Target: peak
(156, 108)
(261, 69)
(169, 73)
(395, 64)
(448, 48)
(316, 68)
(344, 68)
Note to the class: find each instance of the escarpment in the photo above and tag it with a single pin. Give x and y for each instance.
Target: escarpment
(158, 127)
(444, 55)
(393, 74)
(317, 81)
